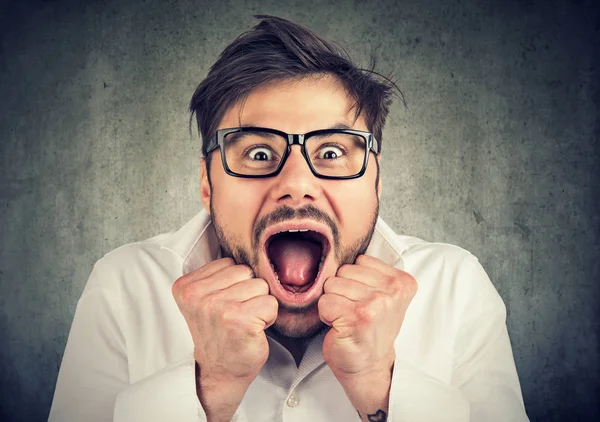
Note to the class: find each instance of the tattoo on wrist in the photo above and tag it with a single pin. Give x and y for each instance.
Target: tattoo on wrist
(379, 416)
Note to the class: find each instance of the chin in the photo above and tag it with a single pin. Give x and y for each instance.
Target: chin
(298, 323)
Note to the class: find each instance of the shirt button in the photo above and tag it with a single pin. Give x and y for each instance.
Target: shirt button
(292, 401)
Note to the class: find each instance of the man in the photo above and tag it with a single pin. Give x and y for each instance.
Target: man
(287, 298)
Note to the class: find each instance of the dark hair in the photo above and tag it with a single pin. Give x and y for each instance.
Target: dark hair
(277, 49)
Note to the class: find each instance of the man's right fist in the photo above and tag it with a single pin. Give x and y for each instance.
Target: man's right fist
(227, 311)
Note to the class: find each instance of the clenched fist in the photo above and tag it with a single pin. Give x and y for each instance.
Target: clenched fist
(227, 311)
(365, 304)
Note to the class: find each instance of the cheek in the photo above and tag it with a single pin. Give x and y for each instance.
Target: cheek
(236, 205)
(354, 202)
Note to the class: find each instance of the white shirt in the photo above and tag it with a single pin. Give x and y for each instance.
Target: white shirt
(129, 355)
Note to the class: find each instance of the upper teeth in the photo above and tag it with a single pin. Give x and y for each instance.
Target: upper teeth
(299, 230)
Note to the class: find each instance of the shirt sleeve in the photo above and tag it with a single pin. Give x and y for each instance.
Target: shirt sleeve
(93, 382)
(484, 386)
(94, 366)
(168, 395)
(417, 397)
(484, 367)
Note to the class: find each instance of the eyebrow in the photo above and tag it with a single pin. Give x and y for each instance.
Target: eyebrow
(338, 125)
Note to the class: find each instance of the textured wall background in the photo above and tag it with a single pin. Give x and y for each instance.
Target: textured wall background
(497, 152)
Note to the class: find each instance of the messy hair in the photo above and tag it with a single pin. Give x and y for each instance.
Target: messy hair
(277, 50)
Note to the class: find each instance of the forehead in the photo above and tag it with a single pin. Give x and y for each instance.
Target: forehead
(296, 106)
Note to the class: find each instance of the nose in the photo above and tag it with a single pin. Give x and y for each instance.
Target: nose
(295, 185)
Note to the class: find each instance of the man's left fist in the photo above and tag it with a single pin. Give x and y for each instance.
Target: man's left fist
(364, 304)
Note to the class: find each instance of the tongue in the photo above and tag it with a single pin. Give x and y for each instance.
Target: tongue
(296, 259)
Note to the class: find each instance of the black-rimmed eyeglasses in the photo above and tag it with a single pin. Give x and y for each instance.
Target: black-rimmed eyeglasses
(261, 152)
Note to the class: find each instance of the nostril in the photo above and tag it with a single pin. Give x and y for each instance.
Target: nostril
(294, 198)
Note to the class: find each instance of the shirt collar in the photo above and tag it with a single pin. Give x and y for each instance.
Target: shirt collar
(196, 243)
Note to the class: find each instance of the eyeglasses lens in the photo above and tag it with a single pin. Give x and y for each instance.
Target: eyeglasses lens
(256, 153)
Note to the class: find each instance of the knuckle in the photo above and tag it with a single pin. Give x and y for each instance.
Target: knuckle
(326, 299)
(343, 268)
(213, 303)
(244, 272)
(262, 286)
(322, 304)
(230, 315)
(323, 308)
(272, 302)
(360, 259)
(330, 284)
(379, 298)
(391, 281)
(176, 287)
(187, 295)
(366, 313)
(180, 284)
(401, 282)
(229, 261)
(411, 286)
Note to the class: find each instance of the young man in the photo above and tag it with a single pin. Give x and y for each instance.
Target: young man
(288, 298)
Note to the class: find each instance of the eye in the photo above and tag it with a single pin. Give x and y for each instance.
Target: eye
(330, 152)
(260, 154)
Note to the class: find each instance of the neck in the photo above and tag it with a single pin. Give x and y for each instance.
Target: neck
(296, 346)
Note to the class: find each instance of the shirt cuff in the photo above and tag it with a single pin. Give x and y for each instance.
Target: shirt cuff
(167, 395)
(417, 397)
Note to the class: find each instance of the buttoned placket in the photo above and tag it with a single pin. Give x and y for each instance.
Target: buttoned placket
(313, 358)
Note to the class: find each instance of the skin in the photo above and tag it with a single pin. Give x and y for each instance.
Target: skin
(229, 305)
(293, 107)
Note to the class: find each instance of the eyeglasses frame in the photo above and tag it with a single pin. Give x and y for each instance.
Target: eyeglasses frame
(292, 139)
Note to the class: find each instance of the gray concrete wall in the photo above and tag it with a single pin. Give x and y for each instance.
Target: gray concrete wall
(497, 152)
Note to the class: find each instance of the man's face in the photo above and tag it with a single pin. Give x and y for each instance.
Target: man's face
(256, 219)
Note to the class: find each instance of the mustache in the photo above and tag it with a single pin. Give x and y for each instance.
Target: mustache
(285, 213)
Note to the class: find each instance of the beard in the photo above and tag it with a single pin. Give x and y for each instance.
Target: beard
(297, 328)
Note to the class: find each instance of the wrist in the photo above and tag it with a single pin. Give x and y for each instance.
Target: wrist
(372, 377)
(220, 396)
(368, 391)
(379, 370)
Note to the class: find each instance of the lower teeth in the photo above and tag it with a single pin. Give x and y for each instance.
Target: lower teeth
(296, 289)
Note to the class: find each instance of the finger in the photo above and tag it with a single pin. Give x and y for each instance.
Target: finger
(206, 270)
(202, 272)
(227, 277)
(333, 308)
(393, 278)
(367, 275)
(348, 288)
(376, 264)
(245, 290)
(263, 307)
(190, 289)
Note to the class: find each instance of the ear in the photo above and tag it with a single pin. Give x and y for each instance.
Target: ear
(379, 185)
(205, 188)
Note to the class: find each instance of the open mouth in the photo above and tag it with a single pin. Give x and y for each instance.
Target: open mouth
(297, 257)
